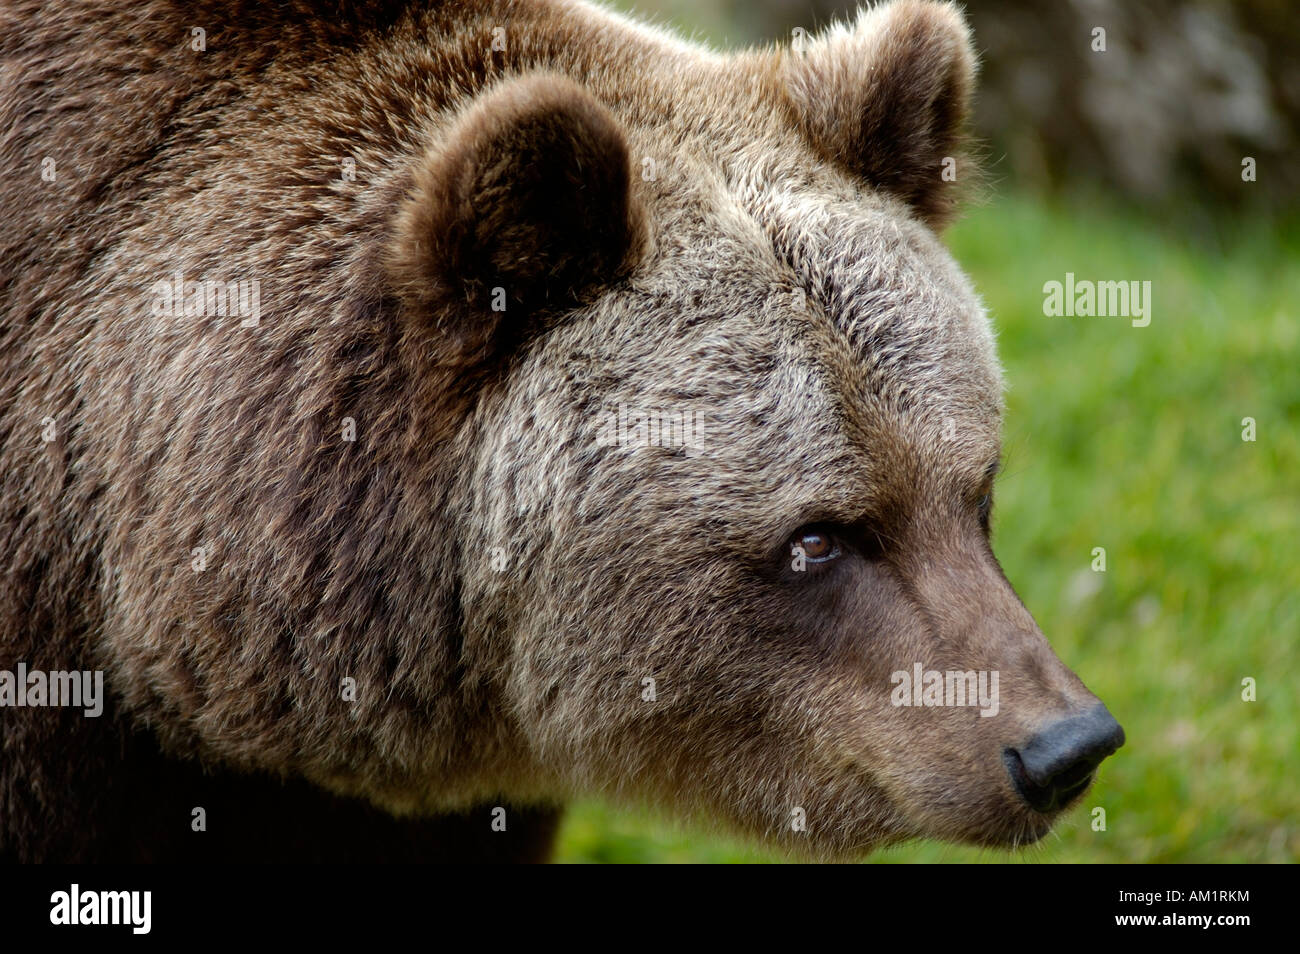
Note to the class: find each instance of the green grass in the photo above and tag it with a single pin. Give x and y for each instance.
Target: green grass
(1131, 439)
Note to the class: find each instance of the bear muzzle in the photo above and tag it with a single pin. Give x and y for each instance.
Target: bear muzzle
(1056, 765)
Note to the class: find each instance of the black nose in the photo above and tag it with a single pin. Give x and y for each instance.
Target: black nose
(1056, 764)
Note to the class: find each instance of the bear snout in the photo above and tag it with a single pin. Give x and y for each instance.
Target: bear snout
(1056, 764)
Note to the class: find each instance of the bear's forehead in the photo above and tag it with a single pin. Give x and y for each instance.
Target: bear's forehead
(828, 332)
(839, 279)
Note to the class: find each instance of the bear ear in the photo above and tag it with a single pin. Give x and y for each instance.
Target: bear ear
(523, 203)
(887, 98)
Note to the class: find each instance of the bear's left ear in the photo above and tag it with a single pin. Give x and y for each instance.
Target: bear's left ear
(887, 98)
(523, 202)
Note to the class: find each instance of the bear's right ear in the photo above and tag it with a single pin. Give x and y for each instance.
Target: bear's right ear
(887, 98)
(524, 203)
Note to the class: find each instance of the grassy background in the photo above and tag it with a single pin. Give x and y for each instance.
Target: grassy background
(1131, 439)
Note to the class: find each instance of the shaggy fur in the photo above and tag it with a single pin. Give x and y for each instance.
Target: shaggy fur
(497, 581)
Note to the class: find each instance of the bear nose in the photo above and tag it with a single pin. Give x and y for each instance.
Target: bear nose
(1056, 764)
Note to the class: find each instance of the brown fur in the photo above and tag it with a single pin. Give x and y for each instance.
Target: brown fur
(875, 406)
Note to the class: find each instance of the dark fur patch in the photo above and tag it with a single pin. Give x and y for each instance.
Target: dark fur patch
(528, 190)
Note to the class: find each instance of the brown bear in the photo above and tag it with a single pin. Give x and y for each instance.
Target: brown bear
(421, 414)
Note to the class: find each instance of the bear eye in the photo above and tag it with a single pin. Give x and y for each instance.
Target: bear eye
(817, 545)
